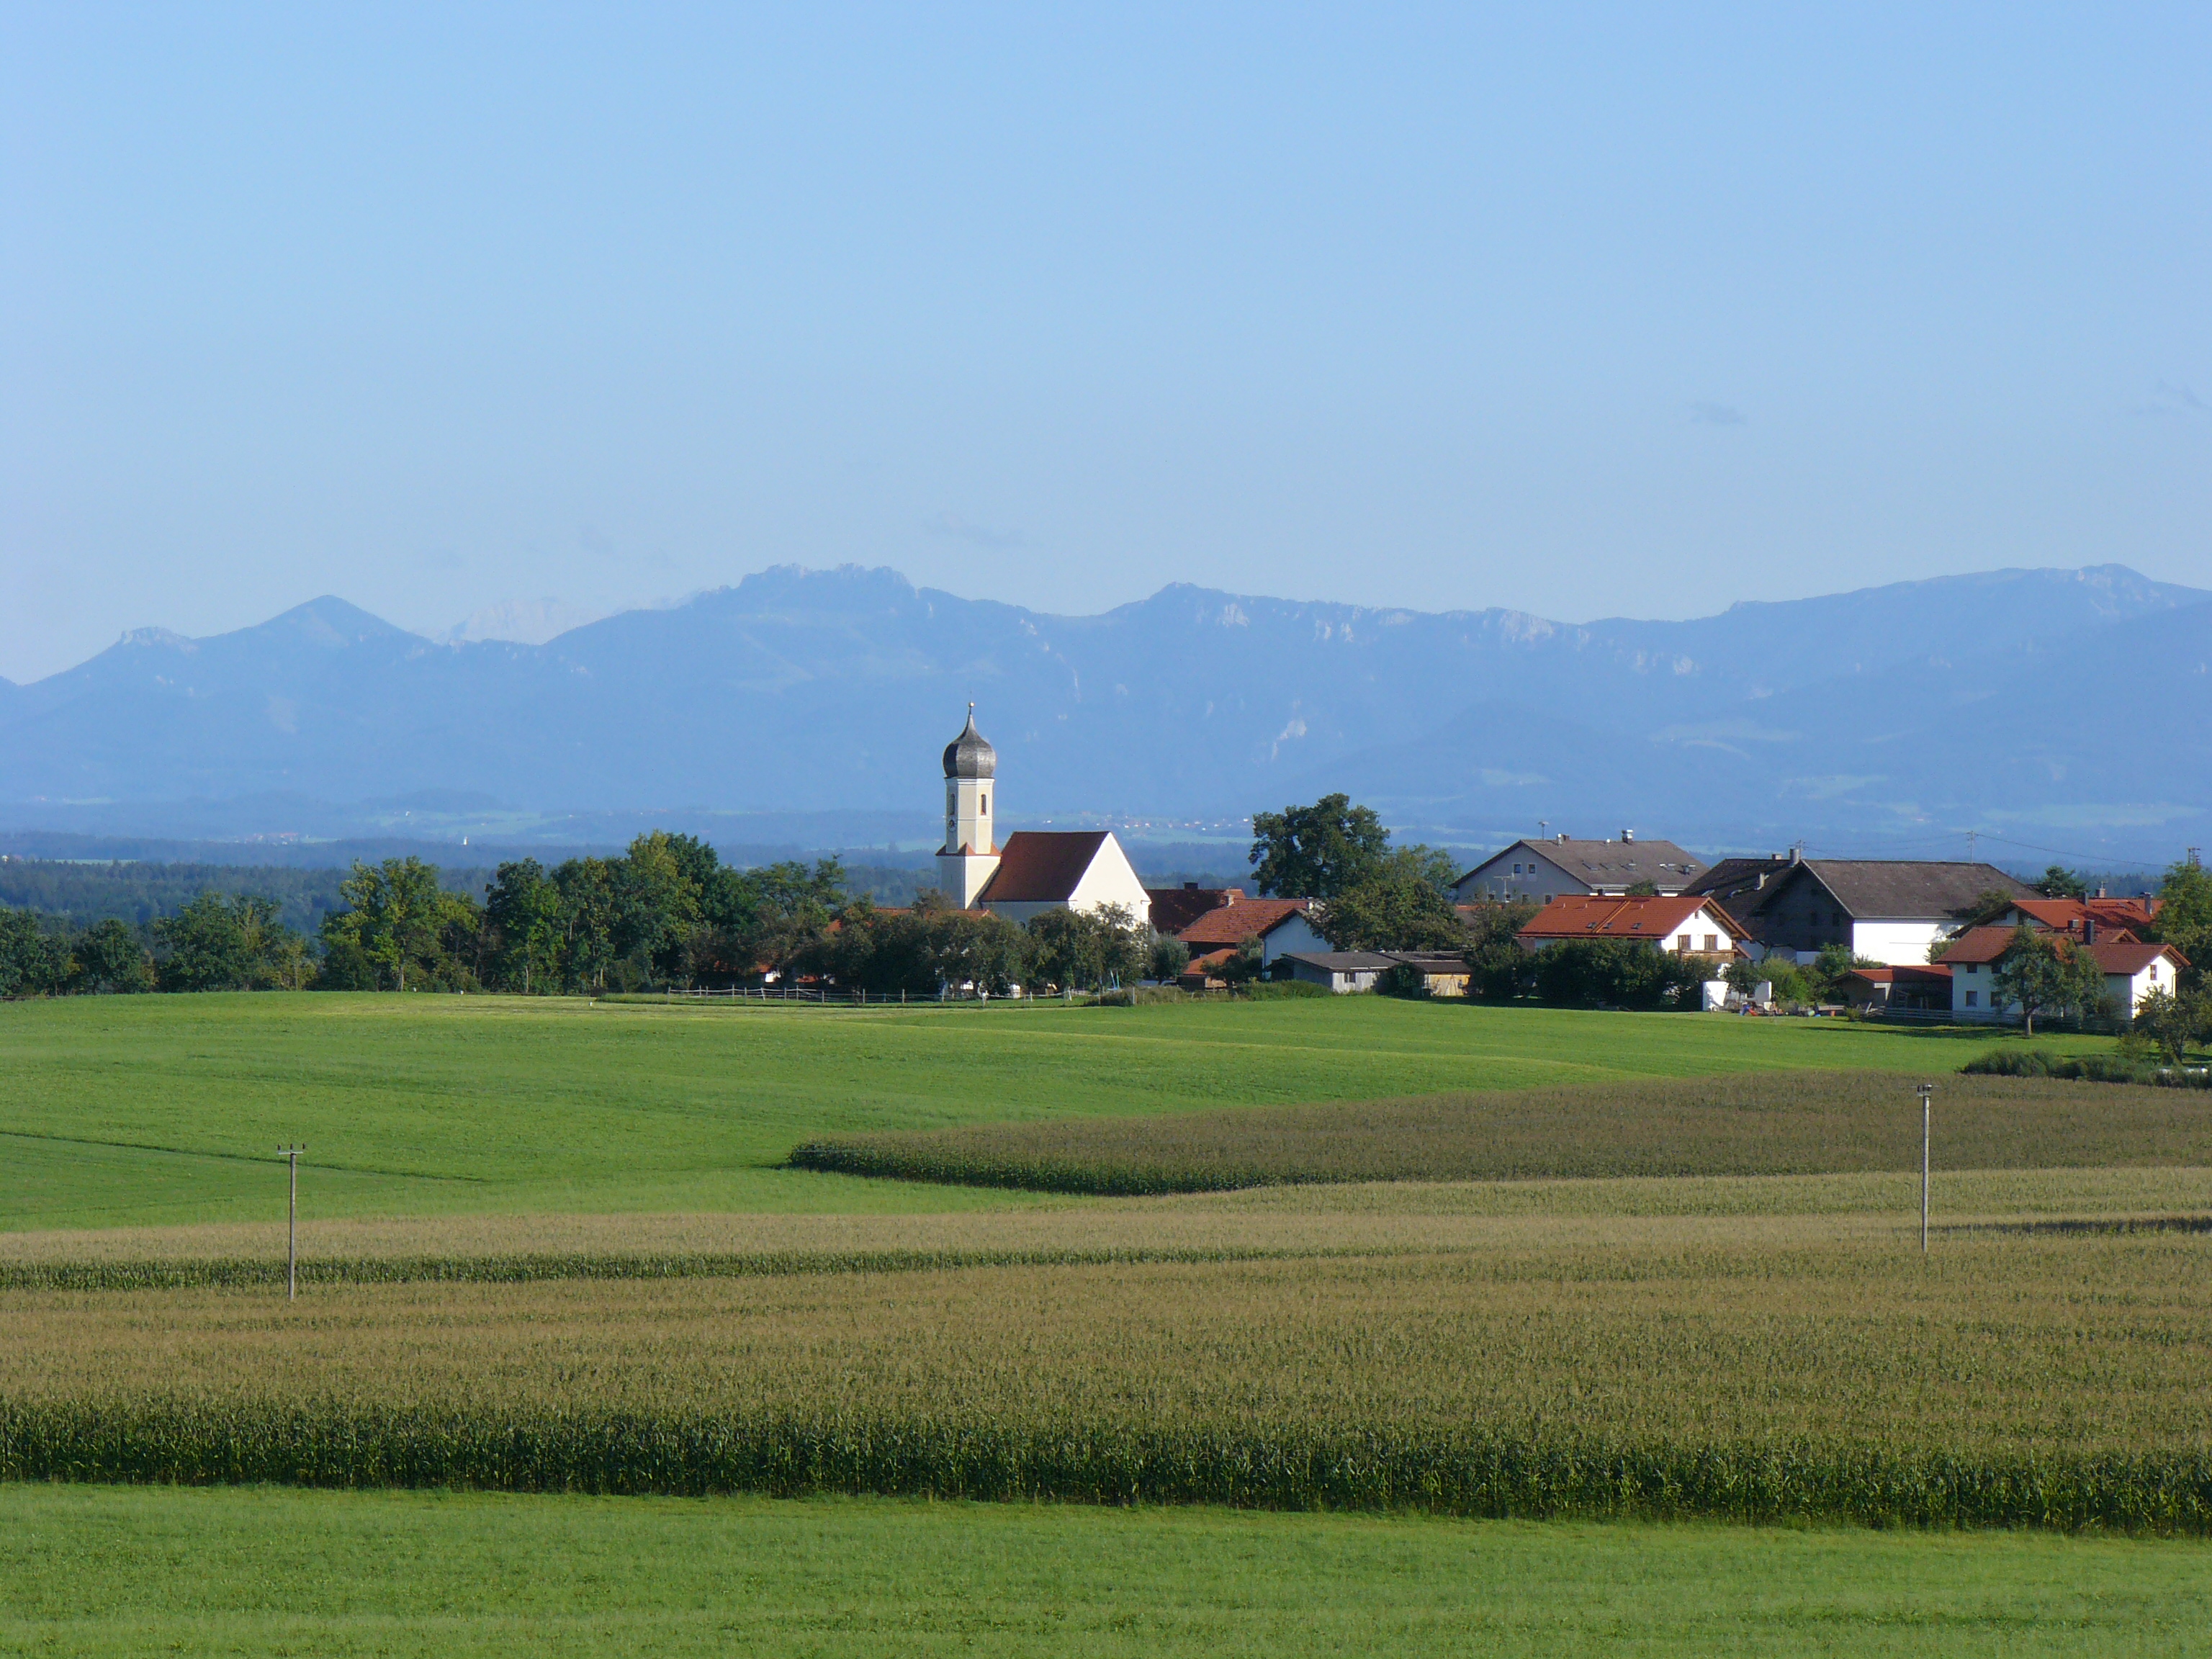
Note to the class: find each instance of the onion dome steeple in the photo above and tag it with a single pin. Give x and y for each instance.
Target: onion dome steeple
(968, 755)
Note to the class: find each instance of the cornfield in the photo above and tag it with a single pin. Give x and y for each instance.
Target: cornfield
(1768, 1123)
(1747, 1367)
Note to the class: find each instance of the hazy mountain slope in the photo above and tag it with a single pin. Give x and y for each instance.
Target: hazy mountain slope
(801, 692)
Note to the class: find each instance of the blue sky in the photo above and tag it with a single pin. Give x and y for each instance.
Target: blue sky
(1593, 311)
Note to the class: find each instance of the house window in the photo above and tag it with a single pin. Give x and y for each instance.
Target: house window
(982, 803)
(1681, 941)
(1971, 996)
(1974, 967)
(2154, 970)
(1712, 942)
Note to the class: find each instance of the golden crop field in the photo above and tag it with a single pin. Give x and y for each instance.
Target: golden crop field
(1749, 1345)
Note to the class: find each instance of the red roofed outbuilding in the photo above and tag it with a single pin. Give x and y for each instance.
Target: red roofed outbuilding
(1281, 924)
(1684, 924)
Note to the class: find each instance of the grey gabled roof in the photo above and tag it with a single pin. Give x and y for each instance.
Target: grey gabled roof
(1342, 962)
(1899, 889)
(1611, 863)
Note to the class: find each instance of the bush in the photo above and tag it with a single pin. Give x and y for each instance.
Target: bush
(346, 967)
(2085, 1068)
(1597, 972)
(1270, 990)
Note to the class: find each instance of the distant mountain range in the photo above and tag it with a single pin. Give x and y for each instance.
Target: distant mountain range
(2069, 708)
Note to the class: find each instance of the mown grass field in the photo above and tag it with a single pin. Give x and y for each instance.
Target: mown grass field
(122, 1110)
(93, 1573)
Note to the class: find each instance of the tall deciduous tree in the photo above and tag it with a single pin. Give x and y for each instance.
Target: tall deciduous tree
(110, 958)
(395, 916)
(2042, 973)
(2184, 917)
(1317, 851)
(522, 915)
(1405, 905)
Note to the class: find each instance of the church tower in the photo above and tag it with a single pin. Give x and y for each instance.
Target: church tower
(969, 853)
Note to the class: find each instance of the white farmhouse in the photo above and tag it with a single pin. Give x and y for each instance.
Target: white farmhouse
(2132, 970)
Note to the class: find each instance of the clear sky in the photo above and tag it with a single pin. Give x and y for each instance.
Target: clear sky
(1587, 311)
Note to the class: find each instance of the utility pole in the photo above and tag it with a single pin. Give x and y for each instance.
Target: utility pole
(1926, 1090)
(291, 1155)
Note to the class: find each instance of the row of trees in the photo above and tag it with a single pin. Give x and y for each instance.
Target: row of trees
(212, 943)
(667, 912)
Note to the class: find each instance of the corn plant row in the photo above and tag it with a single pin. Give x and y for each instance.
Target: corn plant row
(258, 1272)
(1468, 1473)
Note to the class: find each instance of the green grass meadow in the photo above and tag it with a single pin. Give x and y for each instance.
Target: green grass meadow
(120, 1111)
(259, 1571)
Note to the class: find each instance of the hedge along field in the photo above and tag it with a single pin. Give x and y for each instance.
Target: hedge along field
(1739, 1124)
(1745, 1368)
(144, 1111)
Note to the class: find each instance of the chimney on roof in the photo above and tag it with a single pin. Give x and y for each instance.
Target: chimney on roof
(1797, 853)
(1628, 834)
(2088, 930)
(2101, 893)
(1190, 887)
(1563, 838)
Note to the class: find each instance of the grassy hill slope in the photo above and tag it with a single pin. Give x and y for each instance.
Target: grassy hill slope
(123, 1111)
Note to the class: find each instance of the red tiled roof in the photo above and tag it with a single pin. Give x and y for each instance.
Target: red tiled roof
(1602, 916)
(1903, 974)
(2067, 915)
(1978, 945)
(2116, 956)
(1175, 908)
(2132, 956)
(1232, 924)
(1042, 865)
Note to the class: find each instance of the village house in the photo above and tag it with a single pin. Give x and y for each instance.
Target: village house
(2132, 970)
(1036, 870)
(1538, 871)
(1888, 911)
(1682, 925)
(1281, 926)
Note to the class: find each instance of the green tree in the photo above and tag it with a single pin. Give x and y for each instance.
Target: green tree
(591, 918)
(2042, 973)
(662, 883)
(1169, 957)
(2171, 1022)
(1406, 905)
(1617, 974)
(109, 957)
(2184, 917)
(205, 946)
(1087, 950)
(2058, 882)
(33, 962)
(1645, 889)
(1499, 967)
(1989, 904)
(396, 916)
(1317, 851)
(522, 924)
